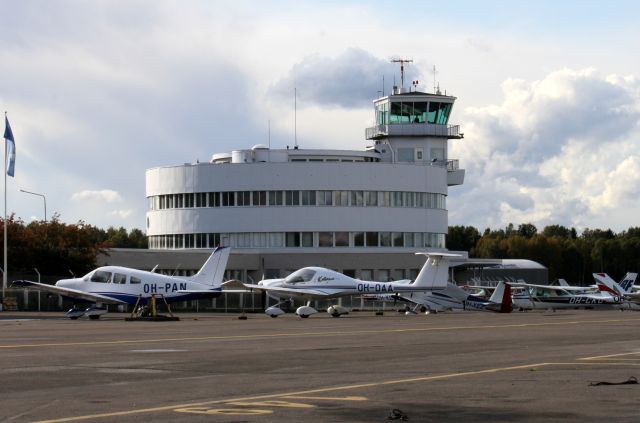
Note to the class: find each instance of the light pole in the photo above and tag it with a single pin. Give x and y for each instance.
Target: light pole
(43, 197)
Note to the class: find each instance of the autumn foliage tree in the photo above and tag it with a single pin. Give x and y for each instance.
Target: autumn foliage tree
(55, 247)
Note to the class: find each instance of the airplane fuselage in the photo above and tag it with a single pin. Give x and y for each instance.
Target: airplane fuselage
(130, 285)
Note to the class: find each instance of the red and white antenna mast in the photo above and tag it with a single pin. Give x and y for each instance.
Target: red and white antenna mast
(402, 62)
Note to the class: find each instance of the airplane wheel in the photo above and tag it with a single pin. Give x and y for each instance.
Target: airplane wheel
(304, 316)
(74, 318)
(94, 317)
(273, 317)
(335, 315)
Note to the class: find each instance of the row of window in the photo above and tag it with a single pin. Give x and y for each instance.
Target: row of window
(299, 240)
(426, 200)
(412, 112)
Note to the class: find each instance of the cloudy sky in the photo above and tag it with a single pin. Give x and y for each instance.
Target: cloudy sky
(548, 96)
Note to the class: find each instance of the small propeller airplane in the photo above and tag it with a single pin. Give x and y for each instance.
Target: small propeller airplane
(455, 298)
(557, 297)
(311, 283)
(123, 285)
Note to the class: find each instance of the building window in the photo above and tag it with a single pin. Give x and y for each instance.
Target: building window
(276, 239)
(398, 239)
(418, 240)
(292, 198)
(243, 240)
(275, 198)
(371, 198)
(201, 199)
(259, 240)
(408, 239)
(162, 202)
(259, 198)
(385, 239)
(358, 239)
(243, 198)
(357, 198)
(366, 274)
(307, 239)
(405, 154)
(308, 198)
(214, 199)
(372, 239)
(325, 239)
(188, 200)
(342, 239)
(341, 198)
(214, 240)
(292, 239)
(228, 199)
(325, 198)
(385, 199)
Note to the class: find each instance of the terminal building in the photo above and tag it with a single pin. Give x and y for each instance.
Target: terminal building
(361, 212)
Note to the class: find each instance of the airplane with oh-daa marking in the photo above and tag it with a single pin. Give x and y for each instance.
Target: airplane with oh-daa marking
(311, 283)
(123, 285)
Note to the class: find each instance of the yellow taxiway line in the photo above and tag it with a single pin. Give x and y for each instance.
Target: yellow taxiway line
(291, 394)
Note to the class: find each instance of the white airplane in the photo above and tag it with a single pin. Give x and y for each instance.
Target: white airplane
(311, 283)
(557, 297)
(624, 289)
(455, 298)
(123, 285)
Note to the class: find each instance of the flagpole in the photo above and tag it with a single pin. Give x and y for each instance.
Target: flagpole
(4, 268)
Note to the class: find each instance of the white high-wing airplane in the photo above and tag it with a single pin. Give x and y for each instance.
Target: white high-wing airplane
(311, 283)
(455, 298)
(555, 297)
(624, 289)
(123, 285)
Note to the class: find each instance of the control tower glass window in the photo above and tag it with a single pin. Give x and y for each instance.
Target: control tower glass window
(439, 113)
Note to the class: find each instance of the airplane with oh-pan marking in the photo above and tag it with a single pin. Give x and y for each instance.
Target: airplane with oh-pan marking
(123, 285)
(311, 283)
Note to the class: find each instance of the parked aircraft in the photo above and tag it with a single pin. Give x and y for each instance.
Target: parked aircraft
(555, 297)
(123, 285)
(311, 283)
(624, 289)
(455, 298)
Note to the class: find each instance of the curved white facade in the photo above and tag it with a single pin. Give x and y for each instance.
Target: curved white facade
(390, 197)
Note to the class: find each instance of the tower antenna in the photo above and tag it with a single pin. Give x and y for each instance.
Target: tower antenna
(402, 62)
(295, 118)
(434, 79)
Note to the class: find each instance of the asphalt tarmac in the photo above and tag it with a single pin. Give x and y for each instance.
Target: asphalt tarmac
(462, 367)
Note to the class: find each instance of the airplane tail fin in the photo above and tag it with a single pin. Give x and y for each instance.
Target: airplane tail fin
(435, 272)
(606, 284)
(212, 271)
(628, 281)
(502, 296)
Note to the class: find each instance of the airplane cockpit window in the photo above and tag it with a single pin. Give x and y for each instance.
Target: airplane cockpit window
(119, 278)
(134, 280)
(101, 276)
(302, 275)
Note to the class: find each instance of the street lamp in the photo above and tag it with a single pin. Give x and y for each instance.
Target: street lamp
(43, 197)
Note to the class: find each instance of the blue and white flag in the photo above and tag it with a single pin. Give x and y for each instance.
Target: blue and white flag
(11, 147)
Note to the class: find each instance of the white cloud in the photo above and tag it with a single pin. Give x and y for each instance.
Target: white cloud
(559, 150)
(105, 195)
(122, 214)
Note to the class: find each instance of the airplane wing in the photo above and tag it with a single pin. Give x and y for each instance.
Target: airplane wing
(288, 291)
(67, 292)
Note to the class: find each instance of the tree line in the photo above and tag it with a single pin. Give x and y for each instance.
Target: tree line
(562, 250)
(57, 248)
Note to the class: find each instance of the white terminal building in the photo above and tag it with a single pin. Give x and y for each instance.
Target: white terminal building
(361, 212)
